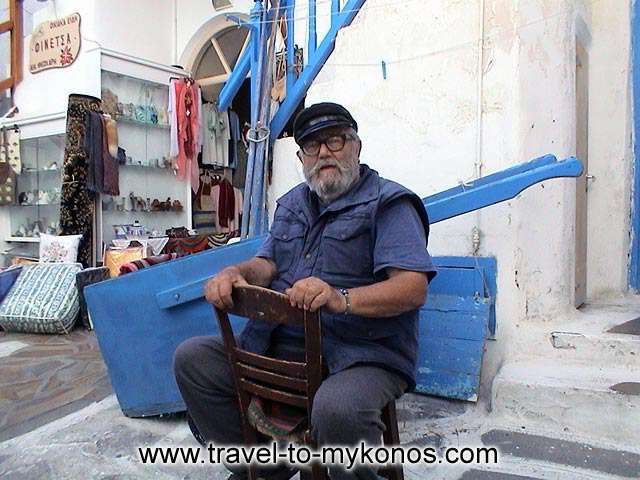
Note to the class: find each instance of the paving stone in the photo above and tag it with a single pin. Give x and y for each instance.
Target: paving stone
(573, 454)
(632, 327)
(7, 348)
(38, 469)
(628, 388)
(46, 377)
(488, 475)
(413, 407)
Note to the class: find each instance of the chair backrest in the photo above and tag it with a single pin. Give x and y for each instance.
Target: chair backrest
(291, 383)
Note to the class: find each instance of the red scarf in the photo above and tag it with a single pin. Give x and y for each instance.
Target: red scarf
(226, 203)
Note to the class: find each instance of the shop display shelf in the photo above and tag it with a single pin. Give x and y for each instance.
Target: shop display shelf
(138, 123)
(23, 239)
(150, 167)
(128, 212)
(36, 205)
(40, 170)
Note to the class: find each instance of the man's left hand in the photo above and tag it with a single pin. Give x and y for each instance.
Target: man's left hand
(312, 293)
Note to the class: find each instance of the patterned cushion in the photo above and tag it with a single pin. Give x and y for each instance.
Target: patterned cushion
(62, 249)
(44, 299)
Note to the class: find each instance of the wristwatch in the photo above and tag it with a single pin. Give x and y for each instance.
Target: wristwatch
(345, 293)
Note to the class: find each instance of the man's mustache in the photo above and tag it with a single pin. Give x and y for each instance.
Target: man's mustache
(325, 163)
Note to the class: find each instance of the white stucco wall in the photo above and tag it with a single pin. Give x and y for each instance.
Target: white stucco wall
(610, 156)
(141, 28)
(421, 126)
(47, 92)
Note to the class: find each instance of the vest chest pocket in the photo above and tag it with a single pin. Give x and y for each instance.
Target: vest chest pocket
(346, 249)
(289, 240)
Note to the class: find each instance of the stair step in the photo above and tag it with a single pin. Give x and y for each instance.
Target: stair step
(564, 452)
(570, 399)
(607, 348)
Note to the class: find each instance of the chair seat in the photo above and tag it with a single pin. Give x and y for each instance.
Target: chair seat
(277, 420)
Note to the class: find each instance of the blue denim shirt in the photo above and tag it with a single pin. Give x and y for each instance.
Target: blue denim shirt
(349, 243)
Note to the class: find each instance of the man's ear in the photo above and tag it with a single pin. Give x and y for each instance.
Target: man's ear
(359, 147)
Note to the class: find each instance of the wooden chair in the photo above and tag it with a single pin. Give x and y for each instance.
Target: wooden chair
(286, 382)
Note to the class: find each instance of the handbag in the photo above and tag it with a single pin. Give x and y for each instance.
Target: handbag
(10, 148)
(7, 184)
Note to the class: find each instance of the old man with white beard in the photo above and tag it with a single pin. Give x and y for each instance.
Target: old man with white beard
(351, 244)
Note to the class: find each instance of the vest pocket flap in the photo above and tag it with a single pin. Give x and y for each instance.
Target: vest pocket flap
(286, 231)
(346, 228)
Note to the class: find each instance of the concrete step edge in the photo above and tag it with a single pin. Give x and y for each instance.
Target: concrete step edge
(565, 375)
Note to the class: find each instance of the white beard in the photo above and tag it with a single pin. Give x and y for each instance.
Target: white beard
(330, 189)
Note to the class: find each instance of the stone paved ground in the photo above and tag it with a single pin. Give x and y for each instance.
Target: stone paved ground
(72, 435)
(45, 377)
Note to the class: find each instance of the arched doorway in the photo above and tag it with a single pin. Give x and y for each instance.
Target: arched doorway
(211, 56)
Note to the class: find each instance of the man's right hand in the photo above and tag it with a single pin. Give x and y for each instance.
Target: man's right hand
(217, 291)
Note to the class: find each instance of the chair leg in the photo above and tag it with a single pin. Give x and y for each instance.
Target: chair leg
(391, 436)
(316, 472)
(253, 472)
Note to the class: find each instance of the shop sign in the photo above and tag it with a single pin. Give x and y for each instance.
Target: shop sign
(55, 43)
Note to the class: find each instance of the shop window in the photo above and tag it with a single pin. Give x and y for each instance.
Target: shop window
(218, 4)
(217, 60)
(10, 47)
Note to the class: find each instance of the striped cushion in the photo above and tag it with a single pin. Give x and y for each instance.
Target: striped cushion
(44, 299)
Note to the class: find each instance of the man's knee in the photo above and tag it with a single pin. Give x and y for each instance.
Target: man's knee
(185, 355)
(330, 417)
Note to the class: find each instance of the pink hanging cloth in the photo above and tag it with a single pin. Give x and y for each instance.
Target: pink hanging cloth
(188, 113)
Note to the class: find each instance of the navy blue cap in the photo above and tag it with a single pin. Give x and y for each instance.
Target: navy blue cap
(320, 116)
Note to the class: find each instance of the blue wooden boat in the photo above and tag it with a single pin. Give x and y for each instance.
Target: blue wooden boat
(142, 317)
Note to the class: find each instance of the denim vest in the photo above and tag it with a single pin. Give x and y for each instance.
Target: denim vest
(342, 238)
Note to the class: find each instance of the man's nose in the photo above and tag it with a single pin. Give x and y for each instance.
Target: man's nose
(324, 151)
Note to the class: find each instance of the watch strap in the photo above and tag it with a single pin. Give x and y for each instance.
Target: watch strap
(345, 294)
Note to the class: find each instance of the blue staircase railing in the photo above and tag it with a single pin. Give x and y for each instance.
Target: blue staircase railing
(254, 60)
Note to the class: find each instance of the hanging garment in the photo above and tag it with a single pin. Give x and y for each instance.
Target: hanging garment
(240, 173)
(279, 74)
(112, 135)
(233, 218)
(205, 200)
(226, 202)
(10, 148)
(234, 126)
(111, 178)
(173, 118)
(215, 150)
(77, 207)
(93, 150)
(200, 121)
(187, 115)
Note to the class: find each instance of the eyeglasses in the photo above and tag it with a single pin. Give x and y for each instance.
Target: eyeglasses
(334, 143)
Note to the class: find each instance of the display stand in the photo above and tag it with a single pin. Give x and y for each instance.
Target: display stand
(36, 208)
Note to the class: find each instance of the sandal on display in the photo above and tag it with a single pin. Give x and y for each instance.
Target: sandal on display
(176, 206)
(166, 205)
